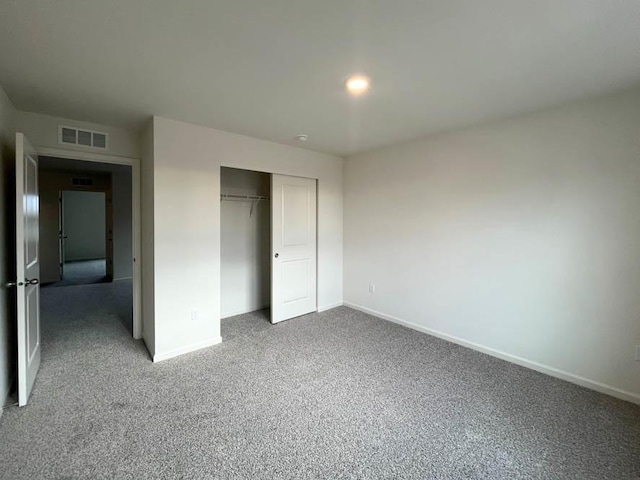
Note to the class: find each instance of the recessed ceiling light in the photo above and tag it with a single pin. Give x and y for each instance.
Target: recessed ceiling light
(302, 137)
(357, 84)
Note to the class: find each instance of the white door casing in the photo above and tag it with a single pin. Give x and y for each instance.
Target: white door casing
(293, 247)
(27, 267)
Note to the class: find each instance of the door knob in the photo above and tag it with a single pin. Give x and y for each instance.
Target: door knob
(33, 281)
(277, 255)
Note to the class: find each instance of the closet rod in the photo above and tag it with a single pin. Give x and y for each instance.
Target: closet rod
(254, 199)
(225, 196)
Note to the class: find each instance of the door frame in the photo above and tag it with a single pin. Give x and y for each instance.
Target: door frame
(134, 163)
(271, 172)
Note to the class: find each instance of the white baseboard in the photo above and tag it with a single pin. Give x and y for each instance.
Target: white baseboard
(329, 307)
(158, 357)
(554, 372)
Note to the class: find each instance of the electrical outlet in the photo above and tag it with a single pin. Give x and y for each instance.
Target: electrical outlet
(372, 288)
(194, 314)
(637, 353)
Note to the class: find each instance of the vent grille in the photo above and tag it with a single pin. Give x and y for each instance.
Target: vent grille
(85, 138)
(82, 181)
(99, 140)
(68, 135)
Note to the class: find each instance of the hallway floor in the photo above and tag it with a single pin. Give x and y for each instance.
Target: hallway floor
(82, 272)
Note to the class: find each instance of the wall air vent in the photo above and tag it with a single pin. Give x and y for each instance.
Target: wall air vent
(82, 181)
(82, 137)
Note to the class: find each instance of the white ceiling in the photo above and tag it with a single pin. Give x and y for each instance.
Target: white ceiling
(274, 68)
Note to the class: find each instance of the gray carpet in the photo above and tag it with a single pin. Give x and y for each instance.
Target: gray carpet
(82, 272)
(338, 394)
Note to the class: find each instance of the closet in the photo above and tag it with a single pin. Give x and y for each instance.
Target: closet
(245, 233)
(268, 244)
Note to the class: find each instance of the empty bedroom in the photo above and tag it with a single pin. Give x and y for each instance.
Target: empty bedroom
(333, 239)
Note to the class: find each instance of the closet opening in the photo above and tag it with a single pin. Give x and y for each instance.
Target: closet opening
(268, 248)
(245, 242)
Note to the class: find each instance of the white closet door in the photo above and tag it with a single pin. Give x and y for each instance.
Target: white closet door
(293, 247)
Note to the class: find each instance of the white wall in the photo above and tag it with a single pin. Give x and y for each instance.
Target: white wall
(7, 244)
(520, 236)
(84, 225)
(147, 237)
(49, 240)
(186, 201)
(122, 195)
(245, 267)
(42, 132)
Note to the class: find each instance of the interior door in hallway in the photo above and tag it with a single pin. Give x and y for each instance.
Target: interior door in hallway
(27, 267)
(293, 247)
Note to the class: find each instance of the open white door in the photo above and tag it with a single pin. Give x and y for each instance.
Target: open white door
(293, 247)
(28, 267)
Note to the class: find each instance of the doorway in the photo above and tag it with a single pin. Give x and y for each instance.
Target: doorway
(245, 245)
(85, 222)
(32, 211)
(86, 236)
(84, 225)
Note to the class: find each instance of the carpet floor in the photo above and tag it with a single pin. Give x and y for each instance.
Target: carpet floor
(338, 394)
(82, 272)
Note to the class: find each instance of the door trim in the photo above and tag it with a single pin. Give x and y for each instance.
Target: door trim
(134, 163)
